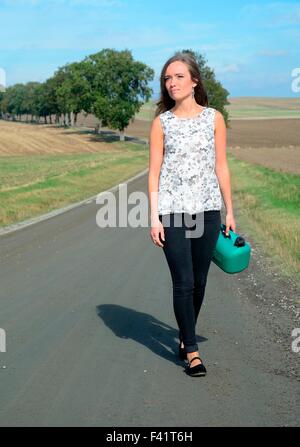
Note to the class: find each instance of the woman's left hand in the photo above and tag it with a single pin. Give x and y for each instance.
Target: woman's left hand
(230, 223)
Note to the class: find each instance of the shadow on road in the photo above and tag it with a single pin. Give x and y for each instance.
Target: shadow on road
(142, 328)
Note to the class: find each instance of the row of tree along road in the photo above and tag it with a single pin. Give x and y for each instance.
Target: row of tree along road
(109, 84)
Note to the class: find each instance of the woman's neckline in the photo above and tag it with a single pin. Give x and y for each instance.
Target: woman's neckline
(188, 117)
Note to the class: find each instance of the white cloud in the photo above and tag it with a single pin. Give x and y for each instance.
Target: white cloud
(2, 80)
(230, 68)
(95, 3)
(272, 53)
(18, 3)
(272, 15)
(292, 17)
(221, 46)
(196, 27)
(250, 9)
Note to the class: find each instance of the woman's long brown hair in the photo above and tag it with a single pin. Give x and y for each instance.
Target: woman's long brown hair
(166, 102)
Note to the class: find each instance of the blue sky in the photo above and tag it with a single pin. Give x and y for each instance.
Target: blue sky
(252, 47)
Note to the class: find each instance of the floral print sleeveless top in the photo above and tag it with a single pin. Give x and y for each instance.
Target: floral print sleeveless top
(187, 180)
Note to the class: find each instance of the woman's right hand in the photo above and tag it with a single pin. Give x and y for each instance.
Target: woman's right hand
(157, 232)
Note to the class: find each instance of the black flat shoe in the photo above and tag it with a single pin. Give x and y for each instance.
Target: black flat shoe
(196, 371)
(181, 353)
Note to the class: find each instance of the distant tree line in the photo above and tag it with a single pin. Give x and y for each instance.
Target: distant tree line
(108, 84)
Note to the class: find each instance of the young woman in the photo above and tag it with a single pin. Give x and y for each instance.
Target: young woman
(188, 172)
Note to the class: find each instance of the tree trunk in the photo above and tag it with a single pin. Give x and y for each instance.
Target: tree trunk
(122, 135)
(75, 119)
(98, 127)
(71, 119)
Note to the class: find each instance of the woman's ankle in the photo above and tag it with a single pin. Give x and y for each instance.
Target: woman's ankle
(191, 355)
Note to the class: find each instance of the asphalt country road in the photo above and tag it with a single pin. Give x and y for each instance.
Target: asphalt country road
(91, 337)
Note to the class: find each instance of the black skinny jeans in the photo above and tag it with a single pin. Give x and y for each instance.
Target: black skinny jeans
(189, 260)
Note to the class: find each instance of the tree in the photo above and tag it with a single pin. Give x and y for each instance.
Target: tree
(62, 93)
(42, 106)
(109, 84)
(50, 98)
(13, 100)
(73, 92)
(1, 105)
(217, 94)
(28, 105)
(118, 86)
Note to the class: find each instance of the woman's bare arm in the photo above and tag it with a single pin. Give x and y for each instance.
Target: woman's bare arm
(222, 169)
(156, 144)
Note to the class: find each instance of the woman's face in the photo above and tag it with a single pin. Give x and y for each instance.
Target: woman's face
(178, 81)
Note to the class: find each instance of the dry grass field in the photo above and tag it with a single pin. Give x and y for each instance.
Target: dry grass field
(273, 143)
(30, 139)
(249, 107)
(43, 168)
(264, 131)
